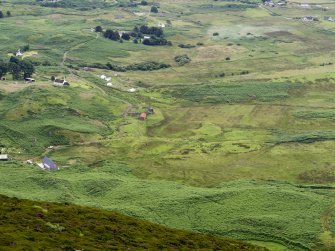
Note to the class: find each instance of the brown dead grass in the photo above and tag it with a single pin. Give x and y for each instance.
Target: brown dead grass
(12, 87)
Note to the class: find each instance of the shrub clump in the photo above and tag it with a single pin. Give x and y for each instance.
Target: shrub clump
(182, 60)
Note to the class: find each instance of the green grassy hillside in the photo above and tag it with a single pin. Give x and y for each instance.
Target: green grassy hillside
(29, 225)
(270, 212)
(242, 140)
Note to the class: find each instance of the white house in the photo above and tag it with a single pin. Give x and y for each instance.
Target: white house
(61, 82)
(19, 53)
(4, 157)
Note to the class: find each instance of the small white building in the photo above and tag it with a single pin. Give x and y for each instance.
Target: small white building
(329, 19)
(19, 53)
(61, 82)
(132, 90)
(29, 80)
(103, 77)
(4, 157)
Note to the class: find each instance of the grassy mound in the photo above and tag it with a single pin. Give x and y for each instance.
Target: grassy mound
(26, 225)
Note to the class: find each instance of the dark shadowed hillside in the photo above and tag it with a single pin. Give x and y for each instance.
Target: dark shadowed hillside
(29, 225)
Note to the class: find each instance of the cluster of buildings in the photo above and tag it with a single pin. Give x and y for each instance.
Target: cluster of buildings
(272, 4)
(46, 164)
(142, 115)
(316, 19)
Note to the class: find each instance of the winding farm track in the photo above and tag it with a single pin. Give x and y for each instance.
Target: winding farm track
(66, 53)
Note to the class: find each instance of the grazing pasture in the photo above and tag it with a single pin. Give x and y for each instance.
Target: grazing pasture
(240, 144)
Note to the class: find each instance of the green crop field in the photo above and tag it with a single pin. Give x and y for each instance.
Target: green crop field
(241, 143)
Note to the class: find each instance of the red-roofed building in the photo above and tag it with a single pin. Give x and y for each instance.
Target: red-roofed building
(143, 116)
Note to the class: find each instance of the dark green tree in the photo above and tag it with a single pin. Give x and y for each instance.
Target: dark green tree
(125, 36)
(154, 9)
(26, 48)
(27, 68)
(98, 29)
(113, 35)
(14, 60)
(3, 69)
(9, 14)
(15, 70)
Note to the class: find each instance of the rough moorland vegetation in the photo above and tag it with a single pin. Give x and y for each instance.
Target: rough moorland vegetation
(29, 225)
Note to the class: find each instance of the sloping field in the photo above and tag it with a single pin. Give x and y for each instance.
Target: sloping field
(29, 225)
(249, 210)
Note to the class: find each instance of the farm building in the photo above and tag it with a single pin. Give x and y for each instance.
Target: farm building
(61, 82)
(310, 18)
(4, 157)
(29, 80)
(327, 18)
(143, 116)
(19, 53)
(150, 110)
(48, 164)
(281, 4)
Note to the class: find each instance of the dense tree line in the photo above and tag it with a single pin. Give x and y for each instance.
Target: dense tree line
(112, 35)
(82, 5)
(19, 69)
(145, 34)
(146, 30)
(154, 41)
(145, 66)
